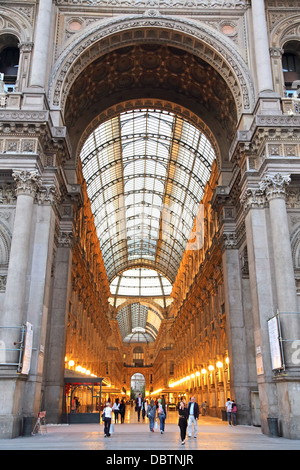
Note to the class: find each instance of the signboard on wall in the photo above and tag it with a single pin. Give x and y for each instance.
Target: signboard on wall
(27, 349)
(275, 346)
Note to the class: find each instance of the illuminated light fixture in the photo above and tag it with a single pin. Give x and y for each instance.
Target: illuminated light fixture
(197, 373)
(210, 367)
(227, 360)
(203, 371)
(88, 372)
(219, 364)
(78, 368)
(188, 377)
(83, 370)
(193, 376)
(71, 363)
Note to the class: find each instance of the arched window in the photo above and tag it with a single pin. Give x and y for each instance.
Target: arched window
(291, 68)
(138, 357)
(9, 61)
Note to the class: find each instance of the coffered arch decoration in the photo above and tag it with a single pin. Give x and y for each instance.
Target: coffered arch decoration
(5, 244)
(287, 29)
(196, 39)
(13, 22)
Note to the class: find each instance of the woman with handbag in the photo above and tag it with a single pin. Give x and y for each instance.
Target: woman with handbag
(106, 416)
(151, 412)
(182, 420)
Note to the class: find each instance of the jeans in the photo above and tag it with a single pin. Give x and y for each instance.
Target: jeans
(192, 420)
(229, 417)
(162, 422)
(107, 422)
(151, 423)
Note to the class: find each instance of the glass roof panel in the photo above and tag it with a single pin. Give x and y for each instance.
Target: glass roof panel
(136, 165)
(138, 323)
(146, 171)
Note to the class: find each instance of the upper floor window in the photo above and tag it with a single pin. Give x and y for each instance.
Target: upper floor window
(9, 60)
(291, 68)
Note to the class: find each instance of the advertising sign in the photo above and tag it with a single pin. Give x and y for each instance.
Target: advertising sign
(274, 338)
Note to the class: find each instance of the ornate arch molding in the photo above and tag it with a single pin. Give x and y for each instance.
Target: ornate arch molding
(5, 244)
(193, 37)
(295, 245)
(13, 22)
(286, 30)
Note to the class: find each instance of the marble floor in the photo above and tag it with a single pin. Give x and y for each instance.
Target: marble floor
(135, 437)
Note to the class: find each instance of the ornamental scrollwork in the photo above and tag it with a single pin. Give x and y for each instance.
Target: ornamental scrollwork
(274, 186)
(27, 182)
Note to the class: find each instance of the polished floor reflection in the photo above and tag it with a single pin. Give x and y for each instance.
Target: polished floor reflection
(213, 434)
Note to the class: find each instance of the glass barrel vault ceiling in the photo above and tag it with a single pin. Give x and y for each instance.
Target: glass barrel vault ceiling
(146, 171)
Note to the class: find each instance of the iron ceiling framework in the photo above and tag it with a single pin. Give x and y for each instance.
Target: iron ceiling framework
(146, 171)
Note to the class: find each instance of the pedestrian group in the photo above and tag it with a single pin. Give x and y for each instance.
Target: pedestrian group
(188, 415)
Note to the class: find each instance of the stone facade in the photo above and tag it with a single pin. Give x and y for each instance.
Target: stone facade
(220, 65)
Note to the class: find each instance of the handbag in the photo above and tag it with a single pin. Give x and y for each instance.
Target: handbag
(111, 428)
(155, 425)
(103, 415)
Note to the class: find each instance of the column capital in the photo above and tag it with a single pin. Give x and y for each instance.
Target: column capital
(253, 198)
(27, 182)
(274, 186)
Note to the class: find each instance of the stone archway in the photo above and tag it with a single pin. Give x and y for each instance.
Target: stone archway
(107, 51)
(105, 73)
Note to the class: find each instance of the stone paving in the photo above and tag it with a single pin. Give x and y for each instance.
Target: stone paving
(133, 436)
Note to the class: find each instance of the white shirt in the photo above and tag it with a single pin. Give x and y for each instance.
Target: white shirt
(228, 405)
(107, 410)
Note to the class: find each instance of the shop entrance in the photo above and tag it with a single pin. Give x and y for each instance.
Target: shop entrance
(82, 400)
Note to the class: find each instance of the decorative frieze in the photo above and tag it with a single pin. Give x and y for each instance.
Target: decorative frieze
(163, 4)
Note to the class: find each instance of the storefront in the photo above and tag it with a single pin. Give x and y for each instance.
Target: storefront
(83, 399)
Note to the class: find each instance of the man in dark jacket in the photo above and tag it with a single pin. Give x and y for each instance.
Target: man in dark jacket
(193, 411)
(138, 405)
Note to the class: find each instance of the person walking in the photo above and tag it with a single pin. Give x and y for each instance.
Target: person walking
(151, 413)
(193, 411)
(204, 408)
(122, 410)
(233, 412)
(116, 409)
(164, 404)
(107, 418)
(144, 408)
(138, 405)
(228, 405)
(161, 416)
(182, 420)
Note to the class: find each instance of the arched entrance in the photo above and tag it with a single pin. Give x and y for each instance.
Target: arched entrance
(137, 385)
(150, 121)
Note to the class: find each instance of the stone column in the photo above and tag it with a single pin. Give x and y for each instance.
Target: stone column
(260, 265)
(57, 327)
(274, 187)
(41, 44)
(235, 327)
(27, 184)
(261, 45)
(39, 291)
